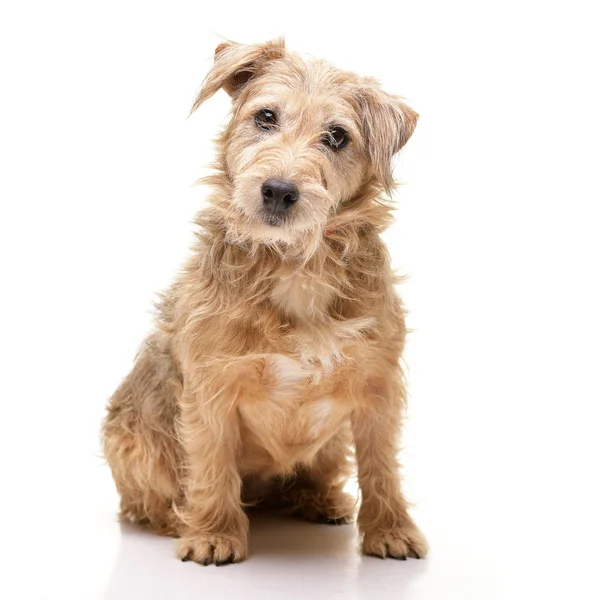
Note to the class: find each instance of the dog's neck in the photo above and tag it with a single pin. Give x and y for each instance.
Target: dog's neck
(335, 274)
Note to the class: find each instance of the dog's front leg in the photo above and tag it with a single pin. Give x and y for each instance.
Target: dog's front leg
(215, 527)
(383, 519)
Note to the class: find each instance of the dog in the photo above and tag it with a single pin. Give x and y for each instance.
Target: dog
(274, 371)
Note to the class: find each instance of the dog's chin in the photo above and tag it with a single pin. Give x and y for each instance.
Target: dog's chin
(270, 227)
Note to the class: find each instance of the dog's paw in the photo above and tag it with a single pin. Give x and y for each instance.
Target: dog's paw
(218, 549)
(331, 510)
(399, 543)
(314, 515)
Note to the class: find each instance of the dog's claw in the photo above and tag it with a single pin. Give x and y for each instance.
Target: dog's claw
(212, 549)
(230, 559)
(401, 544)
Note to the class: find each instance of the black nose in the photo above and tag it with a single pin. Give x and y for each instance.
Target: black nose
(279, 195)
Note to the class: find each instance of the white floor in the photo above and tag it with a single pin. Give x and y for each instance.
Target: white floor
(490, 539)
(86, 554)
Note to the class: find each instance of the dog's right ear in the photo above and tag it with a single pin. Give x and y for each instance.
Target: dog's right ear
(235, 64)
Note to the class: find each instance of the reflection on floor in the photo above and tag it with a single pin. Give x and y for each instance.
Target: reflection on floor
(288, 559)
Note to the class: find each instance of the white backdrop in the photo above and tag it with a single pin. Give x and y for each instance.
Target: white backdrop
(497, 228)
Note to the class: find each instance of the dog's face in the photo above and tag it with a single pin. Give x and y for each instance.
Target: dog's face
(304, 137)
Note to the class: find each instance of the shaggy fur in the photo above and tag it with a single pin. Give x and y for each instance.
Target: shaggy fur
(275, 364)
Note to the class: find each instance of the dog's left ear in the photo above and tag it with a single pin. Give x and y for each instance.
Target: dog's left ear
(388, 124)
(235, 64)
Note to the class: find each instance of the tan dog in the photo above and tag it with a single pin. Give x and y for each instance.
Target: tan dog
(277, 349)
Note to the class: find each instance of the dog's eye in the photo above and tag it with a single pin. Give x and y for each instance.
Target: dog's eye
(265, 119)
(336, 137)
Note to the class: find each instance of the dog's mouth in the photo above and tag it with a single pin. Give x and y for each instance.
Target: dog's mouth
(273, 219)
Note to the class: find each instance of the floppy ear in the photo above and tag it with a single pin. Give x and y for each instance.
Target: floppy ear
(388, 124)
(235, 64)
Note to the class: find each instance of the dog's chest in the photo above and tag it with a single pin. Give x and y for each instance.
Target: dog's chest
(301, 295)
(300, 404)
(317, 339)
(295, 416)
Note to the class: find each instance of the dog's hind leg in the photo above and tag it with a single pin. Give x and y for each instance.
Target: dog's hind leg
(141, 448)
(316, 493)
(143, 474)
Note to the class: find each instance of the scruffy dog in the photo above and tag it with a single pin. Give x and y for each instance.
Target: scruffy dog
(274, 366)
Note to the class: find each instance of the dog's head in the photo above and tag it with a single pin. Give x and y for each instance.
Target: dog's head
(304, 138)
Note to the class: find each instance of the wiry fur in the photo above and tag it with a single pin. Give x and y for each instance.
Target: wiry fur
(277, 348)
